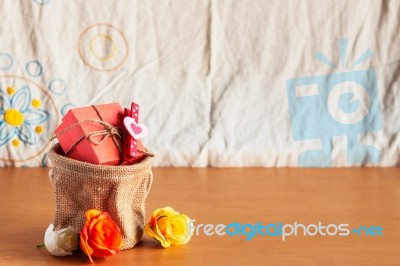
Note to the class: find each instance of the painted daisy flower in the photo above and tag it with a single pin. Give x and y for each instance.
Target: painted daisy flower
(20, 116)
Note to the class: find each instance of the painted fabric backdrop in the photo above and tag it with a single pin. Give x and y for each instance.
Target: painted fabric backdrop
(219, 82)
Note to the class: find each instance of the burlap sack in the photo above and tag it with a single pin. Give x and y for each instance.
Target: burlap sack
(119, 190)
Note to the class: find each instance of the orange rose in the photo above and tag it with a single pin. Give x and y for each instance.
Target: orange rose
(100, 236)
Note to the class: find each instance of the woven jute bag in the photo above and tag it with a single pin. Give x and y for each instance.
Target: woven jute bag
(119, 190)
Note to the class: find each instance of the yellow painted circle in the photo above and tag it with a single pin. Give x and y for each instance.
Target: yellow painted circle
(16, 142)
(39, 129)
(103, 47)
(13, 117)
(10, 90)
(105, 43)
(36, 103)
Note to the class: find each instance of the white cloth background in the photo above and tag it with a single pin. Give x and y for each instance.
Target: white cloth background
(210, 76)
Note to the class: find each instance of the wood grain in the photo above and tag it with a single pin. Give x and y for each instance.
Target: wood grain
(355, 196)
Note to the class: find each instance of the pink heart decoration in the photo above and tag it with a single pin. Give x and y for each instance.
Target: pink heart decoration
(137, 131)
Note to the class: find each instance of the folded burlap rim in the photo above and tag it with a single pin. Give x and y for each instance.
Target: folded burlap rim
(58, 159)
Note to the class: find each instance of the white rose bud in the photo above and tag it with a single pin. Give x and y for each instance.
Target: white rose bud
(61, 242)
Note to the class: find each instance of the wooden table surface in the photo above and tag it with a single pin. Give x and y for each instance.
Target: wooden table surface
(354, 196)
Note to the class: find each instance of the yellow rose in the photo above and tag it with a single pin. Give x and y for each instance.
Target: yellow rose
(169, 227)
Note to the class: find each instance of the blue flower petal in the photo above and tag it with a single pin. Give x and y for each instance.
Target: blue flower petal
(35, 116)
(4, 101)
(26, 134)
(6, 133)
(21, 99)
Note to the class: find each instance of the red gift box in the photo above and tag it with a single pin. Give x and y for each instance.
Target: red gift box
(91, 134)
